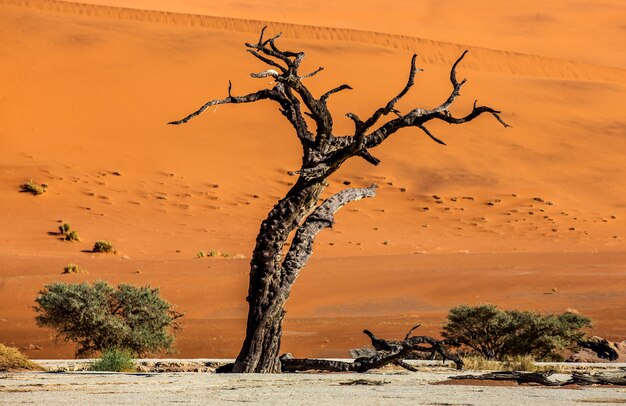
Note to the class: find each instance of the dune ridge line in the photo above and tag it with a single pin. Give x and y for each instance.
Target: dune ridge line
(431, 52)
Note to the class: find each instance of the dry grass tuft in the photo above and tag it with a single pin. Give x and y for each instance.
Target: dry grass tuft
(477, 363)
(11, 360)
(517, 363)
(73, 268)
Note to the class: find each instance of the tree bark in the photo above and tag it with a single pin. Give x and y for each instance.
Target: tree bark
(259, 352)
(271, 277)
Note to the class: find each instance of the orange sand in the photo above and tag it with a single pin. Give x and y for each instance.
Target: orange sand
(87, 90)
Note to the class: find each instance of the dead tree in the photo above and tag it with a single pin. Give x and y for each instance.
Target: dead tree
(386, 352)
(272, 274)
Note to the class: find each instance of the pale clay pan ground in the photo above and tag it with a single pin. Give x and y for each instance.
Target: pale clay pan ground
(385, 387)
(81, 388)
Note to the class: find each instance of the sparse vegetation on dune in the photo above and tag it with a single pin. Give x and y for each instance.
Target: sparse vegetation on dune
(64, 228)
(72, 236)
(33, 188)
(13, 360)
(67, 234)
(103, 246)
(73, 268)
(212, 254)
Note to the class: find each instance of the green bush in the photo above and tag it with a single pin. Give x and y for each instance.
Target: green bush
(102, 246)
(64, 228)
(99, 317)
(72, 236)
(496, 334)
(114, 360)
(33, 188)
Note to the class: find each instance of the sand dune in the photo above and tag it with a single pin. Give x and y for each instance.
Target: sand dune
(87, 90)
(433, 52)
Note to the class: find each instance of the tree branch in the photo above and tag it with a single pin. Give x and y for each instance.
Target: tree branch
(315, 72)
(321, 218)
(267, 60)
(326, 95)
(365, 154)
(437, 140)
(389, 107)
(387, 352)
(249, 98)
(476, 111)
(418, 116)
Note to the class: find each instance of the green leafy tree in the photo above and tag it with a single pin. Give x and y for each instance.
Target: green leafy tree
(99, 317)
(497, 334)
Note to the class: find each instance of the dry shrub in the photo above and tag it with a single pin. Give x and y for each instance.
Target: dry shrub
(478, 363)
(522, 363)
(103, 246)
(33, 188)
(11, 360)
(73, 268)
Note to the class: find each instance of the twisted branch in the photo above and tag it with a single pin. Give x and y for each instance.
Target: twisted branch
(249, 98)
(387, 352)
(418, 116)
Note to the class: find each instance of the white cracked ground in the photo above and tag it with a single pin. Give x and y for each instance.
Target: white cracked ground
(88, 388)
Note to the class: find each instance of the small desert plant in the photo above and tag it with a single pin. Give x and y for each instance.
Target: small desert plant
(103, 246)
(521, 363)
(114, 360)
(212, 254)
(99, 317)
(479, 363)
(72, 236)
(73, 268)
(13, 360)
(33, 188)
(64, 228)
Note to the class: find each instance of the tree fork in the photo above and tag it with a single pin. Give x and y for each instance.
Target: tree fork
(323, 153)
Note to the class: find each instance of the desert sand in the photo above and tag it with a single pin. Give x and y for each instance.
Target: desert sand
(529, 217)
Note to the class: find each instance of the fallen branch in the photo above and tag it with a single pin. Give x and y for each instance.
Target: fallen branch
(542, 378)
(387, 352)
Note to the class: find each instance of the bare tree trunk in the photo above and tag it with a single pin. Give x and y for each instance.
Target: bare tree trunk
(272, 277)
(266, 296)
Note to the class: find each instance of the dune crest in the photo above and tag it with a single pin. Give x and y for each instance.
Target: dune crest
(435, 52)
